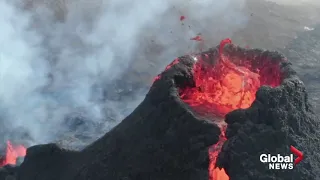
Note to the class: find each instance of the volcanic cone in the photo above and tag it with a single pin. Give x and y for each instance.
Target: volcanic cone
(221, 107)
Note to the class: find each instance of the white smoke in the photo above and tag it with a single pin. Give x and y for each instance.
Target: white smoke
(297, 2)
(59, 59)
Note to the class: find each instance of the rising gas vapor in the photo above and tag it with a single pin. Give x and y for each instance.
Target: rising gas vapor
(77, 68)
(297, 2)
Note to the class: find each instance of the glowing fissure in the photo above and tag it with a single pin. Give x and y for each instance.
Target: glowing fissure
(222, 87)
(13, 152)
(214, 172)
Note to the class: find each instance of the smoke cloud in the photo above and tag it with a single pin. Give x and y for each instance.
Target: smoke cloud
(297, 2)
(71, 70)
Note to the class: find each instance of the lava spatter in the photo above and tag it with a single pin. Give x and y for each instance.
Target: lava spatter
(223, 86)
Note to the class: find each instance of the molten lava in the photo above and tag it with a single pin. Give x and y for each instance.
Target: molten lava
(12, 153)
(217, 173)
(224, 85)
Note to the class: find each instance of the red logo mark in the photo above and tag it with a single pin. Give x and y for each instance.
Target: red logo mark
(297, 153)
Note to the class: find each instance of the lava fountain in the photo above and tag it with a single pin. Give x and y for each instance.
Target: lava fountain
(13, 152)
(226, 81)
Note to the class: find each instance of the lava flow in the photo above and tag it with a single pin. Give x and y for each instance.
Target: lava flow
(222, 86)
(12, 153)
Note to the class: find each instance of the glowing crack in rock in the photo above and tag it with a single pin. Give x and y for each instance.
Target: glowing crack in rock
(222, 87)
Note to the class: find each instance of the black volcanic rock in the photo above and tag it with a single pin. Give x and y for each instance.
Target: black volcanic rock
(160, 140)
(8, 172)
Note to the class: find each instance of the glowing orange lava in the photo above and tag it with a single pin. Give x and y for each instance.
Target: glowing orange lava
(222, 87)
(12, 153)
(217, 173)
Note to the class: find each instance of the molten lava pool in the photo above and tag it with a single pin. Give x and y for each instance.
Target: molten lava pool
(229, 82)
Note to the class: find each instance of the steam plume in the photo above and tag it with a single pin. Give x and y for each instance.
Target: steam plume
(74, 69)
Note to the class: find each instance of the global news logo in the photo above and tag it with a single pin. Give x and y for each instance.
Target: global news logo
(279, 161)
